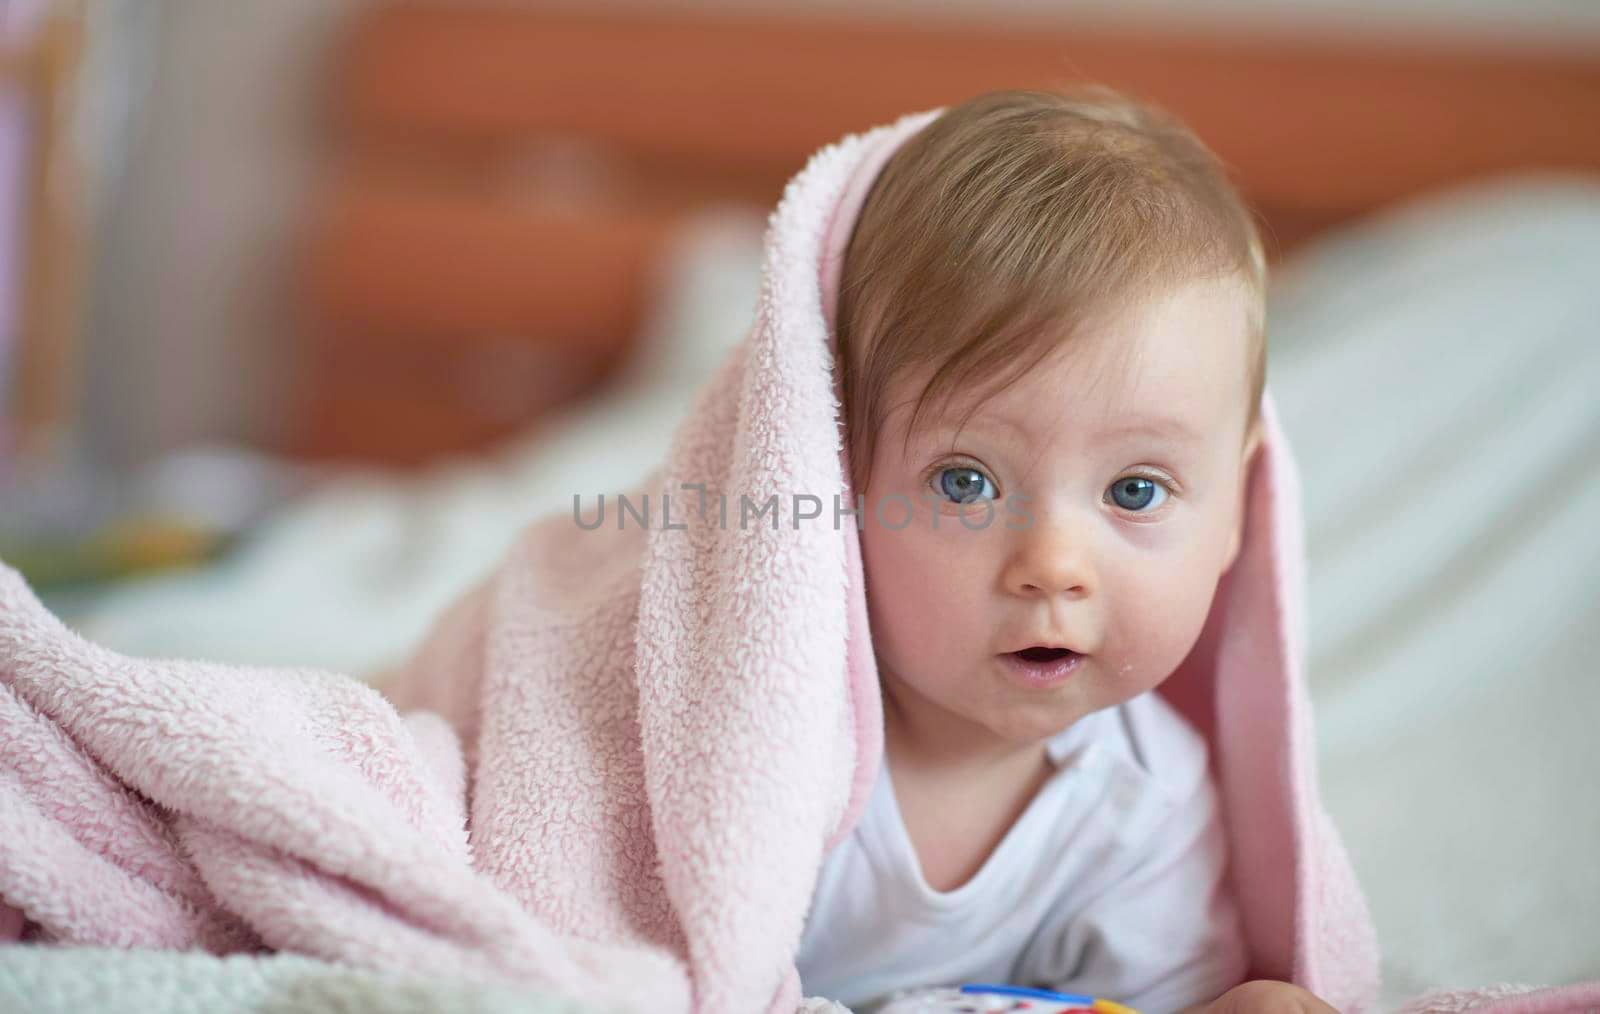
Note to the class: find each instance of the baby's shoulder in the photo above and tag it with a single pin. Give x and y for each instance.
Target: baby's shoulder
(1169, 753)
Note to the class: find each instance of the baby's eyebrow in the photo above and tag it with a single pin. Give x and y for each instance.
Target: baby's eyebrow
(1154, 427)
(1160, 427)
(988, 420)
(949, 428)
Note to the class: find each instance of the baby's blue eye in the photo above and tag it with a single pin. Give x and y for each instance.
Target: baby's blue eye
(963, 484)
(1135, 492)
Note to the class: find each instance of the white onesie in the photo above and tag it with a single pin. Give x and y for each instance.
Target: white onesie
(1110, 883)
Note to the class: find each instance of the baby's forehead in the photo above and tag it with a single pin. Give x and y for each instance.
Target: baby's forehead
(1136, 396)
(1174, 363)
(1042, 424)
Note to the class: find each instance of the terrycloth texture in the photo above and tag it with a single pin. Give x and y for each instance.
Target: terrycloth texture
(80, 980)
(76, 980)
(663, 730)
(1583, 998)
(171, 804)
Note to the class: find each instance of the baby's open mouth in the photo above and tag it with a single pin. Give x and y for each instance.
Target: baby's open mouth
(1041, 654)
(1041, 666)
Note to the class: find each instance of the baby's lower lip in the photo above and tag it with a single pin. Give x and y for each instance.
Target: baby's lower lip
(1041, 674)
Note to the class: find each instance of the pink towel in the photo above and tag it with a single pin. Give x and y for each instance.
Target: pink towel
(1582, 998)
(653, 731)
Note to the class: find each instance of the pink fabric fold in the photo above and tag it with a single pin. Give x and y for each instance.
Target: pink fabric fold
(1581, 998)
(628, 750)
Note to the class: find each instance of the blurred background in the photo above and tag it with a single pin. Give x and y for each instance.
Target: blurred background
(307, 306)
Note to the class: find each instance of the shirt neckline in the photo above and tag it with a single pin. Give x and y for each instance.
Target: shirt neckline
(1064, 750)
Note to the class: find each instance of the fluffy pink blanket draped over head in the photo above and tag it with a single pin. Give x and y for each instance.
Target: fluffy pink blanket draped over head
(653, 730)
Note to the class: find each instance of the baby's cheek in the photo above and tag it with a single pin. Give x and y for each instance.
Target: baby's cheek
(1159, 637)
(920, 590)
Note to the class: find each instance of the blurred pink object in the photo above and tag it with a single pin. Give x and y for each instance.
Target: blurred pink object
(658, 733)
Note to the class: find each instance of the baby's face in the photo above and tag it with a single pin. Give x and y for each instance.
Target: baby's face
(1114, 472)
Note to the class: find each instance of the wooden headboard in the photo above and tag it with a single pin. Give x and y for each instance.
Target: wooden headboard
(39, 392)
(505, 176)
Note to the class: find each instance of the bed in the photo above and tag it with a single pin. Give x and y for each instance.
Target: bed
(575, 202)
(501, 179)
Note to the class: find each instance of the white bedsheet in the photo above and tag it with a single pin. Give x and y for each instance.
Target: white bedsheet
(1438, 373)
(1439, 378)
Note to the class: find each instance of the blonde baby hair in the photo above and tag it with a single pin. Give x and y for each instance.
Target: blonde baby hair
(1001, 228)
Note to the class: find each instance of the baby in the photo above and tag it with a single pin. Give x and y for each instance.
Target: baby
(1051, 342)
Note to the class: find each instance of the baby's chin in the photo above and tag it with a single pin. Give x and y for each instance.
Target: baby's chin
(993, 707)
(1032, 722)
(1029, 715)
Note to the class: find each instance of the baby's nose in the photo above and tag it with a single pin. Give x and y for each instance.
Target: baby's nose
(1053, 559)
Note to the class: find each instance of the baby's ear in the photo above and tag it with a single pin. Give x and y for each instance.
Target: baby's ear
(1248, 456)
